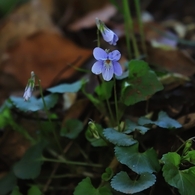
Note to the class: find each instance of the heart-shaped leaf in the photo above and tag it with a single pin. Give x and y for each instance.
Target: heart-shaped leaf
(16, 191)
(62, 88)
(34, 104)
(138, 162)
(86, 187)
(29, 166)
(72, 128)
(7, 183)
(122, 183)
(131, 127)
(142, 82)
(104, 90)
(118, 138)
(181, 179)
(34, 190)
(163, 121)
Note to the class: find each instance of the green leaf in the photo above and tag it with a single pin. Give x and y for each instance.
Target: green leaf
(131, 127)
(7, 183)
(122, 183)
(142, 82)
(16, 191)
(34, 104)
(138, 162)
(29, 166)
(96, 102)
(190, 157)
(95, 139)
(107, 175)
(72, 128)
(163, 121)
(118, 138)
(34, 190)
(65, 87)
(86, 187)
(181, 179)
(104, 90)
(187, 147)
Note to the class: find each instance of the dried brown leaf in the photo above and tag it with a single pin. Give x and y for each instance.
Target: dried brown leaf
(48, 55)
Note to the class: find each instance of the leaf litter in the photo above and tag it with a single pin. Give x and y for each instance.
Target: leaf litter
(31, 39)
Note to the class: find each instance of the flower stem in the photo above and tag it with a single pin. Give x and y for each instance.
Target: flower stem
(129, 29)
(98, 38)
(70, 162)
(47, 112)
(116, 104)
(141, 30)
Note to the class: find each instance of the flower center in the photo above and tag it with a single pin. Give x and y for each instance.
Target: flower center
(107, 62)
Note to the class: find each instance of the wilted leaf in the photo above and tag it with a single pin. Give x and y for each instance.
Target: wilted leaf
(122, 183)
(174, 61)
(97, 9)
(51, 56)
(25, 20)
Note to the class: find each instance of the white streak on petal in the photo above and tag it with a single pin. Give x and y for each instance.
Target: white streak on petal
(107, 72)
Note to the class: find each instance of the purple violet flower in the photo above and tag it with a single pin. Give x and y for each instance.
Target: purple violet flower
(108, 35)
(106, 63)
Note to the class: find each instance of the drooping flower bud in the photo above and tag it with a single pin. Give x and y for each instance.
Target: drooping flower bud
(29, 87)
(108, 35)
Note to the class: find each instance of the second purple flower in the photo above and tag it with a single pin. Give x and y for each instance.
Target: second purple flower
(107, 63)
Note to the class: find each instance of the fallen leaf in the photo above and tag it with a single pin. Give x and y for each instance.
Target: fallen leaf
(49, 55)
(174, 61)
(88, 20)
(187, 121)
(26, 20)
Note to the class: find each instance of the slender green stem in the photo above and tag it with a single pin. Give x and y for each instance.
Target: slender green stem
(116, 104)
(108, 105)
(98, 38)
(47, 112)
(129, 28)
(127, 35)
(141, 29)
(110, 112)
(71, 162)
